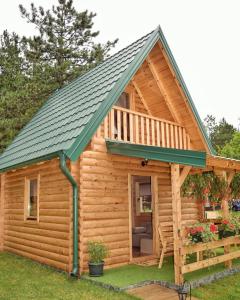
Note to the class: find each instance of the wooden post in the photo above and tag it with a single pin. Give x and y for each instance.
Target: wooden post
(225, 208)
(2, 211)
(177, 219)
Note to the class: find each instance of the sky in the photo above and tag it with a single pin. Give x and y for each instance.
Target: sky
(204, 36)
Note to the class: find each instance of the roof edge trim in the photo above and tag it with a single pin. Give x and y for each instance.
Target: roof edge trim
(31, 161)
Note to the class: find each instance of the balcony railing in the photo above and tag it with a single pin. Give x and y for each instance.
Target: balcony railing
(134, 127)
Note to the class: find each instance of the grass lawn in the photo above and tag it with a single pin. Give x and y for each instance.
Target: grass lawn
(23, 279)
(224, 289)
(130, 274)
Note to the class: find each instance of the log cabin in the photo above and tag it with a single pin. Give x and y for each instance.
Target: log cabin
(104, 159)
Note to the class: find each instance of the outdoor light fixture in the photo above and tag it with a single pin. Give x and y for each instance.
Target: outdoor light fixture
(144, 162)
(183, 291)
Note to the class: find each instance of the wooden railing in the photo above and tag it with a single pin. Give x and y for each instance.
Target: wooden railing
(134, 127)
(203, 263)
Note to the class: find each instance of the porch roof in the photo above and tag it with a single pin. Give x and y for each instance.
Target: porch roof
(184, 157)
(223, 163)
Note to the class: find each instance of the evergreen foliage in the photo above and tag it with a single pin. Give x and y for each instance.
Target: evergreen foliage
(31, 68)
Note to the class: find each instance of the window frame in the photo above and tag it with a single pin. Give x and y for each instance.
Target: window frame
(28, 218)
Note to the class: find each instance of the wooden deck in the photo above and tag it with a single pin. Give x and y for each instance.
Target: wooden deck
(155, 292)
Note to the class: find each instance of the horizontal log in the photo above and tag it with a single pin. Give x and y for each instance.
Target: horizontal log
(37, 231)
(41, 246)
(46, 226)
(37, 238)
(99, 232)
(105, 215)
(38, 252)
(43, 260)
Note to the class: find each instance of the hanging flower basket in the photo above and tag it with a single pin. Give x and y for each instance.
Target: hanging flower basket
(226, 229)
(202, 233)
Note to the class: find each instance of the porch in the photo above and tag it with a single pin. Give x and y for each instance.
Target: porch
(133, 275)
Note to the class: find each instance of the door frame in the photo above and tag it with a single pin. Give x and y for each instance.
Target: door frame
(154, 192)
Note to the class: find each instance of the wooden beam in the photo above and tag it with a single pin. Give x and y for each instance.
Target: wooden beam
(230, 176)
(184, 174)
(177, 220)
(162, 89)
(225, 209)
(223, 163)
(141, 96)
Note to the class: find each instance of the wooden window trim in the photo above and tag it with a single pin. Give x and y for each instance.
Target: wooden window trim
(26, 198)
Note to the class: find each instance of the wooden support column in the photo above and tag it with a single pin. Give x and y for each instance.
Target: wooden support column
(177, 220)
(2, 188)
(225, 207)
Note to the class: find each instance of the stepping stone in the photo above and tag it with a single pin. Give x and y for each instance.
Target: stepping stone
(155, 292)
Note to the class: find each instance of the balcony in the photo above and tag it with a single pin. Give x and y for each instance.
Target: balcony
(133, 127)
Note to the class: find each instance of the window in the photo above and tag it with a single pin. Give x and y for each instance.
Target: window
(123, 101)
(31, 198)
(145, 197)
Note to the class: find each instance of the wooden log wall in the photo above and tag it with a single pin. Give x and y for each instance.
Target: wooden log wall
(105, 205)
(2, 180)
(47, 241)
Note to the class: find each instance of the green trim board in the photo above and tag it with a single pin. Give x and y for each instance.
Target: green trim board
(70, 117)
(183, 157)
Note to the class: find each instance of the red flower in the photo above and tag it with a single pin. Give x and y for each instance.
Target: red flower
(225, 222)
(206, 191)
(193, 231)
(231, 226)
(200, 229)
(213, 228)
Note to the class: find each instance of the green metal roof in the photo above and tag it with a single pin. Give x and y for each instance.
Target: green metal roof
(184, 157)
(70, 117)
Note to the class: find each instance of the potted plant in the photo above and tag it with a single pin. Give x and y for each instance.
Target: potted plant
(202, 233)
(226, 229)
(97, 252)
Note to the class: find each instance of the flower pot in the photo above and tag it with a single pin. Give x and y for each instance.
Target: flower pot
(96, 269)
(196, 238)
(225, 233)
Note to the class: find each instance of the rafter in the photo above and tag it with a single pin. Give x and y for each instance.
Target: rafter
(141, 96)
(162, 89)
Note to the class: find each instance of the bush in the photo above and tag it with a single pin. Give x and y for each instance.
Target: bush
(97, 251)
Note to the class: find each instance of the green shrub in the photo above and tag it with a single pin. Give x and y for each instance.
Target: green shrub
(97, 251)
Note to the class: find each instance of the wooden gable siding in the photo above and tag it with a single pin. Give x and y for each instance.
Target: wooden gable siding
(46, 241)
(104, 201)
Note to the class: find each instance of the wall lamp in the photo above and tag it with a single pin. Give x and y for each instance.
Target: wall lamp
(144, 162)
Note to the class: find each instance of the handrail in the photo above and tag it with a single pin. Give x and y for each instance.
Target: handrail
(198, 248)
(134, 127)
(145, 115)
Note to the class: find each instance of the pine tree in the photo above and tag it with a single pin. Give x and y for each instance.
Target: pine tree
(31, 68)
(65, 41)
